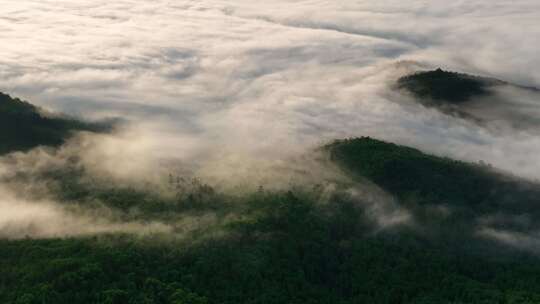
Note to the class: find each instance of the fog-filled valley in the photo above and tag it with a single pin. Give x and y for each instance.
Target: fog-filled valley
(284, 152)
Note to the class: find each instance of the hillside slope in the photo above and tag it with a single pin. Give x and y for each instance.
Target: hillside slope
(440, 86)
(300, 246)
(470, 193)
(488, 102)
(24, 126)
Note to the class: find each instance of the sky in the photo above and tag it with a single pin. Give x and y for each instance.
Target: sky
(227, 81)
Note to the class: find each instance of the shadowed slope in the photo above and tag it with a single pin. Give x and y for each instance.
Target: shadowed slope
(24, 126)
(441, 87)
(469, 193)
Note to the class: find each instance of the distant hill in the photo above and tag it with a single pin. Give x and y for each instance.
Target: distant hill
(419, 181)
(24, 126)
(464, 96)
(446, 87)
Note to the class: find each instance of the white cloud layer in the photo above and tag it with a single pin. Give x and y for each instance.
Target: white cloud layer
(269, 78)
(21, 218)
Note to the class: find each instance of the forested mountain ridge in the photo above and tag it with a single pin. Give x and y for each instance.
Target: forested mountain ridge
(314, 243)
(448, 196)
(488, 102)
(402, 170)
(441, 86)
(24, 126)
(303, 245)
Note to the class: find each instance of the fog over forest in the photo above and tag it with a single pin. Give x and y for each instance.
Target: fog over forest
(291, 151)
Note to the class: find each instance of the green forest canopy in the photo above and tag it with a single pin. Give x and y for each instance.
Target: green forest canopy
(287, 247)
(281, 246)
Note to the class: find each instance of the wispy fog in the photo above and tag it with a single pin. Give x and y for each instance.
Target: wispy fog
(270, 78)
(234, 89)
(21, 218)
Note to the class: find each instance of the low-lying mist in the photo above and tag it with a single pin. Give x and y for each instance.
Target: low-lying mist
(266, 80)
(237, 97)
(22, 218)
(115, 183)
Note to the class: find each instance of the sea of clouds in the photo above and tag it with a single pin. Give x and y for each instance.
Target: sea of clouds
(230, 83)
(270, 78)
